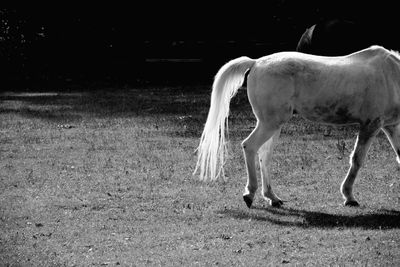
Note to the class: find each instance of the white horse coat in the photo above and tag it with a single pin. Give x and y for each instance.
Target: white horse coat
(360, 88)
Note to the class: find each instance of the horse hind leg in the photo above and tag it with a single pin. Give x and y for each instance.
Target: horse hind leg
(265, 158)
(250, 146)
(363, 143)
(393, 134)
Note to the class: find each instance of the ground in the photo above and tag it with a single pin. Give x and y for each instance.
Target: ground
(104, 178)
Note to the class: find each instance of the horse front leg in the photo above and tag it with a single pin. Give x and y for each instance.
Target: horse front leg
(265, 158)
(363, 143)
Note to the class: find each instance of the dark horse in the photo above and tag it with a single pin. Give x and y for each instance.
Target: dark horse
(336, 37)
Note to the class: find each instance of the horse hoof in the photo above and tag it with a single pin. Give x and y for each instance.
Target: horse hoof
(248, 200)
(277, 204)
(351, 203)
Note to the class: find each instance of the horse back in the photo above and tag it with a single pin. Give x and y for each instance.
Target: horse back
(339, 90)
(313, 68)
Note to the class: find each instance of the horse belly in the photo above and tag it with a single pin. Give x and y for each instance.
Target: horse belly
(331, 112)
(339, 117)
(341, 101)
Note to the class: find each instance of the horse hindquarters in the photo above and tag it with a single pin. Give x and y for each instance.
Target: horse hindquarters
(269, 97)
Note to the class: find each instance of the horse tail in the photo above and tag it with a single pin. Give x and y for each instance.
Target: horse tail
(212, 147)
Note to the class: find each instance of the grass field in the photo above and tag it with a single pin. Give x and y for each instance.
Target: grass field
(104, 178)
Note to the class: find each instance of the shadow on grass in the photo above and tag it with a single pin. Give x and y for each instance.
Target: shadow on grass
(108, 102)
(381, 219)
(188, 104)
(59, 115)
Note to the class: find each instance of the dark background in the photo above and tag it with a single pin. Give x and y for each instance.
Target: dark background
(172, 43)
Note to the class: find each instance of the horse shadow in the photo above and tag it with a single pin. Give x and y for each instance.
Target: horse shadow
(379, 219)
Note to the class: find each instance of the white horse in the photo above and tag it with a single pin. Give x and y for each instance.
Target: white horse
(360, 88)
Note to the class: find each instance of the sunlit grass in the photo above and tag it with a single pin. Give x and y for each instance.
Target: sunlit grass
(105, 178)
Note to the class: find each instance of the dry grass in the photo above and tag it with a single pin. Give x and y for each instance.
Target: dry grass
(104, 178)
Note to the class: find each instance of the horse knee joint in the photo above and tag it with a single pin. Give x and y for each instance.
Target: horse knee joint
(247, 148)
(244, 145)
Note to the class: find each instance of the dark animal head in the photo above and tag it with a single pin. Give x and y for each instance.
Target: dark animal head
(333, 38)
(304, 44)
